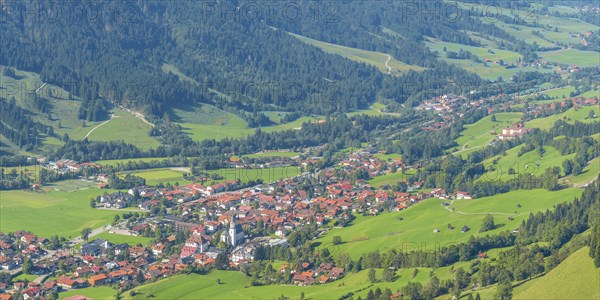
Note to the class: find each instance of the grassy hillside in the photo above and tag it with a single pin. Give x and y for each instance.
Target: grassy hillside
(123, 126)
(572, 57)
(574, 278)
(570, 116)
(373, 58)
(416, 224)
(529, 163)
(478, 134)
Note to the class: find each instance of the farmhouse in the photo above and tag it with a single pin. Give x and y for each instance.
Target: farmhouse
(517, 130)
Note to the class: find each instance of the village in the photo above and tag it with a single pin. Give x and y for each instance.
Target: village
(197, 227)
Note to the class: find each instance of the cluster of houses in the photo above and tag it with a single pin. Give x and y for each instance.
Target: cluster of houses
(17, 246)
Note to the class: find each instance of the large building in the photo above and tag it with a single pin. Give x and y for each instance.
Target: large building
(517, 130)
(235, 235)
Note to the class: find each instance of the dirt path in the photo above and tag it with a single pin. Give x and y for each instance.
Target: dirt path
(388, 66)
(88, 134)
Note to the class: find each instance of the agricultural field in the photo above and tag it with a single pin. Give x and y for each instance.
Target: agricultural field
(528, 163)
(572, 57)
(415, 225)
(577, 270)
(266, 174)
(96, 293)
(121, 239)
(570, 116)
(52, 212)
(376, 59)
(478, 134)
(156, 176)
(124, 126)
(390, 178)
(273, 154)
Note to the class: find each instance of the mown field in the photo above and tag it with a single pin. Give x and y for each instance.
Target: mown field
(52, 212)
(156, 176)
(120, 239)
(376, 59)
(388, 231)
(273, 154)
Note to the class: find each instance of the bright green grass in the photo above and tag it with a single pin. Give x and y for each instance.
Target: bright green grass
(528, 163)
(590, 172)
(266, 174)
(96, 293)
(390, 179)
(572, 57)
(121, 239)
(373, 58)
(591, 94)
(569, 116)
(387, 157)
(114, 162)
(478, 134)
(126, 127)
(235, 285)
(156, 176)
(386, 231)
(71, 185)
(574, 278)
(25, 277)
(55, 212)
(559, 93)
(273, 154)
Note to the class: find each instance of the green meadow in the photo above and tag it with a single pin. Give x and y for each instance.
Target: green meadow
(529, 163)
(156, 176)
(572, 57)
(479, 133)
(51, 212)
(415, 225)
(376, 59)
(390, 178)
(273, 154)
(122, 239)
(570, 116)
(574, 278)
(96, 293)
(126, 127)
(266, 174)
(235, 285)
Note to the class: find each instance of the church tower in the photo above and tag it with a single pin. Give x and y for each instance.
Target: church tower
(232, 231)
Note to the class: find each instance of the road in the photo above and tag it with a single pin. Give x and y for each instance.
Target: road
(388, 66)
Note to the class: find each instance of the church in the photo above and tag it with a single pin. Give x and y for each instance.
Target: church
(235, 235)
